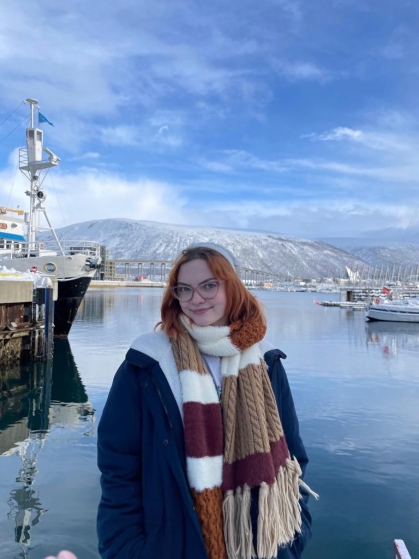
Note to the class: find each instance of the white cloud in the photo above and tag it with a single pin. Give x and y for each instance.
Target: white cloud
(381, 171)
(98, 193)
(88, 155)
(383, 141)
(291, 7)
(234, 160)
(93, 193)
(312, 218)
(339, 134)
(95, 59)
(304, 71)
(120, 136)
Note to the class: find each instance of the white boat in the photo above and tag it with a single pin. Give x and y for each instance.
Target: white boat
(73, 263)
(402, 310)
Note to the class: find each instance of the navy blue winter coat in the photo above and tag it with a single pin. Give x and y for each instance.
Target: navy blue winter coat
(146, 510)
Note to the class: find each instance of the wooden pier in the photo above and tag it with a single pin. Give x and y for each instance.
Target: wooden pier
(26, 322)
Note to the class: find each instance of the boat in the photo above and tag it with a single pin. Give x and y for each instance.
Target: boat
(327, 303)
(73, 263)
(399, 310)
(348, 305)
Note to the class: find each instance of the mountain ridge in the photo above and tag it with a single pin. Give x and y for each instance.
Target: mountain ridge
(271, 252)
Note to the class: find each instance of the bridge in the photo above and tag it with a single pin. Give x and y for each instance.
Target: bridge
(158, 271)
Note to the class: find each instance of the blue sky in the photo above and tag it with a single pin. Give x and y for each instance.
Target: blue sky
(295, 117)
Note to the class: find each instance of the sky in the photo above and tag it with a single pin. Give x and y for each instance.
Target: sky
(295, 117)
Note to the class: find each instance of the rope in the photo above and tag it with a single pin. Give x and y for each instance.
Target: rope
(13, 182)
(13, 112)
(21, 122)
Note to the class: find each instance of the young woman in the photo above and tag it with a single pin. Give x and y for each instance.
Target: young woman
(199, 444)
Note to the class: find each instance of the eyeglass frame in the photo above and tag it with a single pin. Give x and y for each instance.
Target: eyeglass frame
(216, 281)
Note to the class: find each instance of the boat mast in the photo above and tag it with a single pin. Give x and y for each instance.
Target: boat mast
(31, 164)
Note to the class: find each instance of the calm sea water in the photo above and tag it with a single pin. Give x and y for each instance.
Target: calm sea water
(356, 390)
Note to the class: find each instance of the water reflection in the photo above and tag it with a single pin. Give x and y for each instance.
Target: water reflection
(96, 309)
(33, 398)
(392, 337)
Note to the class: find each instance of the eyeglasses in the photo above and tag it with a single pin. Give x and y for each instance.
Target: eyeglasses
(207, 290)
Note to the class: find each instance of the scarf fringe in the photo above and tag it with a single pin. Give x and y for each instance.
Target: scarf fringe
(246, 549)
(229, 514)
(279, 516)
(281, 512)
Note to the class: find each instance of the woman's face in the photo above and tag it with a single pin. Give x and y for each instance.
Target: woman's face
(203, 312)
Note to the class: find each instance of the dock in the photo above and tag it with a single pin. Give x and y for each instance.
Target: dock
(26, 318)
(400, 550)
(100, 284)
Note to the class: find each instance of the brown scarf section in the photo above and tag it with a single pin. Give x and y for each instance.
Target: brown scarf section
(228, 453)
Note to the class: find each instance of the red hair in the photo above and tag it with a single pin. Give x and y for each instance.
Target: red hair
(241, 304)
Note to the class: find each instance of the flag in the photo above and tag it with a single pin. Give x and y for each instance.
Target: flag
(42, 118)
(385, 290)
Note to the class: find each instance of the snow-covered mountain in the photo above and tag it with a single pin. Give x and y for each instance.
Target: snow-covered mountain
(378, 253)
(149, 240)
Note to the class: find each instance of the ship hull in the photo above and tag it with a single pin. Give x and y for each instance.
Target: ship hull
(70, 295)
(392, 313)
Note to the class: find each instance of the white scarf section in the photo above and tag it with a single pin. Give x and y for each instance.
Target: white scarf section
(215, 340)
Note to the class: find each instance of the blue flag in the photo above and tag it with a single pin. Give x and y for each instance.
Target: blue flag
(42, 118)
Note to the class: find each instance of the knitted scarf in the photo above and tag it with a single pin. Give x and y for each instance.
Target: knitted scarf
(236, 446)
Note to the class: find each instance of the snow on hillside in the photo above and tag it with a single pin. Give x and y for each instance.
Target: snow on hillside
(149, 240)
(382, 255)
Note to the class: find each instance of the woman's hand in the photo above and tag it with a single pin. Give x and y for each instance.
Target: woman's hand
(63, 555)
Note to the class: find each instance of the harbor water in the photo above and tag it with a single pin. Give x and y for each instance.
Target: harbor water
(356, 390)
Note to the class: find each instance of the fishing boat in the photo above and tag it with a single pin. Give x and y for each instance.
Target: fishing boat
(73, 263)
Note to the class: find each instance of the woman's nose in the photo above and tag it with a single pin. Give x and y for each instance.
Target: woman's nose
(197, 297)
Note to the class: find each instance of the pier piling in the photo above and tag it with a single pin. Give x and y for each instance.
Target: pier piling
(26, 322)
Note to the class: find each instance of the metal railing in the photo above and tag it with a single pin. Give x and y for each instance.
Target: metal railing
(23, 157)
(51, 248)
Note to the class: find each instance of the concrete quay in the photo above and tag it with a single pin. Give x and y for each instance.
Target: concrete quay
(100, 284)
(26, 322)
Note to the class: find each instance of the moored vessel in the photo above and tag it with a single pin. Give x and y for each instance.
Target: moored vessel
(400, 310)
(73, 263)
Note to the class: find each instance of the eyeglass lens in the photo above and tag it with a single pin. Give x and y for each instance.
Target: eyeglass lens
(205, 290)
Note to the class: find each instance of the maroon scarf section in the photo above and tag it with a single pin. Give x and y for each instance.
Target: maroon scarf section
(203, 426)
(256, 468)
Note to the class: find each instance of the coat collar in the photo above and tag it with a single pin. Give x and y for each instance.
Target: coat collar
(154, 347)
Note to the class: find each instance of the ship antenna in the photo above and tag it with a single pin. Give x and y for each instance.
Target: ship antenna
(32, 164)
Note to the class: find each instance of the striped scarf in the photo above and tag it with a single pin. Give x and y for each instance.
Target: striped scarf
(237, 446)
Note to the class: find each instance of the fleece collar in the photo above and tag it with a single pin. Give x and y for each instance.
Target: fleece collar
(157, 346)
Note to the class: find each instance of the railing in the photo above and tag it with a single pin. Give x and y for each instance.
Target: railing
(51, 248)
(400, 550)
(23, 157)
